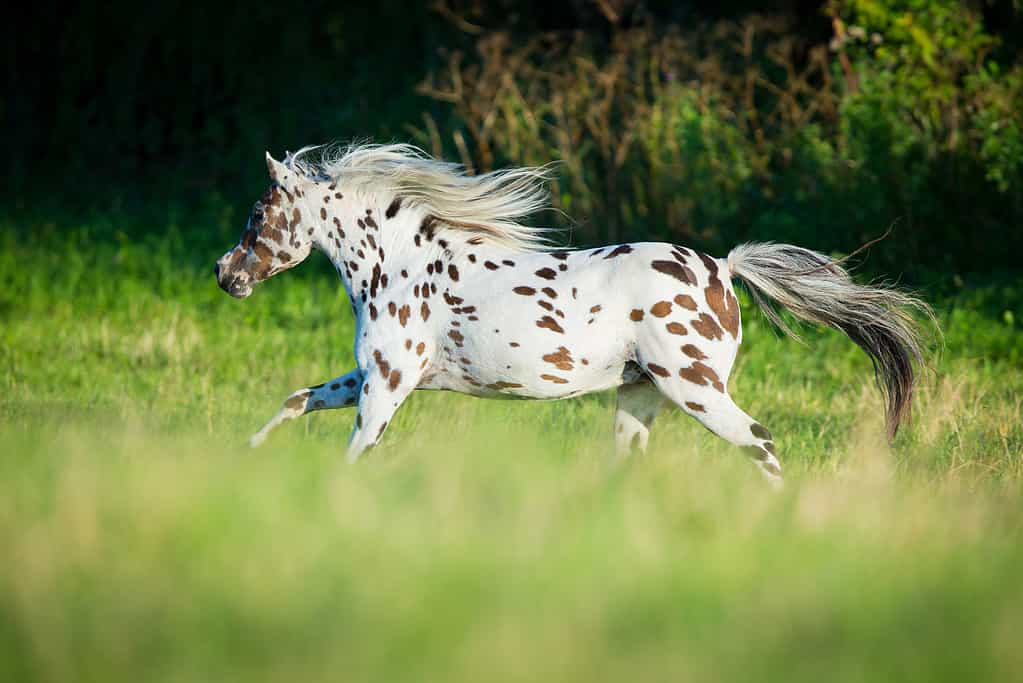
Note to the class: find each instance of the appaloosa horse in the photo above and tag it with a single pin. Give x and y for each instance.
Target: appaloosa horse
(450, 291)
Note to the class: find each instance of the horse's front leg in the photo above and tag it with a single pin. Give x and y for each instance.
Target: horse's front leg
(339, 392)
(387, 383)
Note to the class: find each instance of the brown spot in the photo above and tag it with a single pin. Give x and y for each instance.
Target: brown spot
(661, 309)
(722, 302)
(554, 378)
(453, 272)
(693, 352)
(385, 367)
(456, 336)
(297, 402)
(701, 374)
(676, 270)
(424, 311)
(596, 309)
(561, 359)
(560, 255)
(408, 344)
(498, 386)
(550, 292)
(695, 407)
(618, 251)
(507, 262)
(394, 380)
(490, 265)
(546, 273)
(550, 324)
(392, 308)
(657, 370)
(472, 258)
(403, 314)
(677, 328)
(392, 208)
(760, 431)
(685, 301)
(323, 213)
(636, 315)
(706, 327)
(547, 305)
(420, 347)
(524, 291)
(372, 311)
(372, 242)
(283, 256)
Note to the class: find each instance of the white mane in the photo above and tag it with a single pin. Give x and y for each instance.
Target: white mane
(491, 204)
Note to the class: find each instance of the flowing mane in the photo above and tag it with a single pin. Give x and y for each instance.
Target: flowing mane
(491, 204)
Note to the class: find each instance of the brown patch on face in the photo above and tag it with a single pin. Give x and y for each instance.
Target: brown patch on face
(392, 208)
(681, 273)
(636, 315)
(685, 301)
(693, 352)
(657, 370)
(420, 347)
(760, 431)
(394, 379)
(701, 374)
(618, 251)
(283, 256)
(424, 311)
(554, 378)
(498, 386)
(695, 407)
(550, 323)
(262, 268)
(706, 327)
(453, 272)
(722, 302)
(297, 402)
(546, 273)
(561, 359)
(676, 328)
(661, 309)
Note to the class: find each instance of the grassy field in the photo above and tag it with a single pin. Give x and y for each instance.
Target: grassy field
(493, 541)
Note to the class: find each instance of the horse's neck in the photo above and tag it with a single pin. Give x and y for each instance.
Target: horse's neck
(375, 243)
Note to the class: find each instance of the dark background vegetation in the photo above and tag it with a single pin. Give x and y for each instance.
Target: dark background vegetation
(707, 123)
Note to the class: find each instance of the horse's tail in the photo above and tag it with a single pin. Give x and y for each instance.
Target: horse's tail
(815, 288)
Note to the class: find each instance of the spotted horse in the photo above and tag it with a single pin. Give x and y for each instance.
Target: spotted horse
(450, 290)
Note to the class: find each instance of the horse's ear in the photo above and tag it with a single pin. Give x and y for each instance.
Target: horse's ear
(280, 174)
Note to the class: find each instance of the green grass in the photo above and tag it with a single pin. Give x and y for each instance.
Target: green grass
(483, 540)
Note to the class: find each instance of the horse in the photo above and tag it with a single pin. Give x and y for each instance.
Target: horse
(451, 290)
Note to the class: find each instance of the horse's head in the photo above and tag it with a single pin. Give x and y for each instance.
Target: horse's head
(273, 240)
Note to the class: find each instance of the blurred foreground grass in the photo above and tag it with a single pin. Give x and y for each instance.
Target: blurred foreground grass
(483, 540)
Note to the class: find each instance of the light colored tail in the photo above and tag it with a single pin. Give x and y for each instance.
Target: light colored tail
(815, 288)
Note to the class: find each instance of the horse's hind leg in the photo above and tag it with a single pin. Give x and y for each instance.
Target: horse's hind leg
(638, 405)
(339, 392)
(716, 411)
